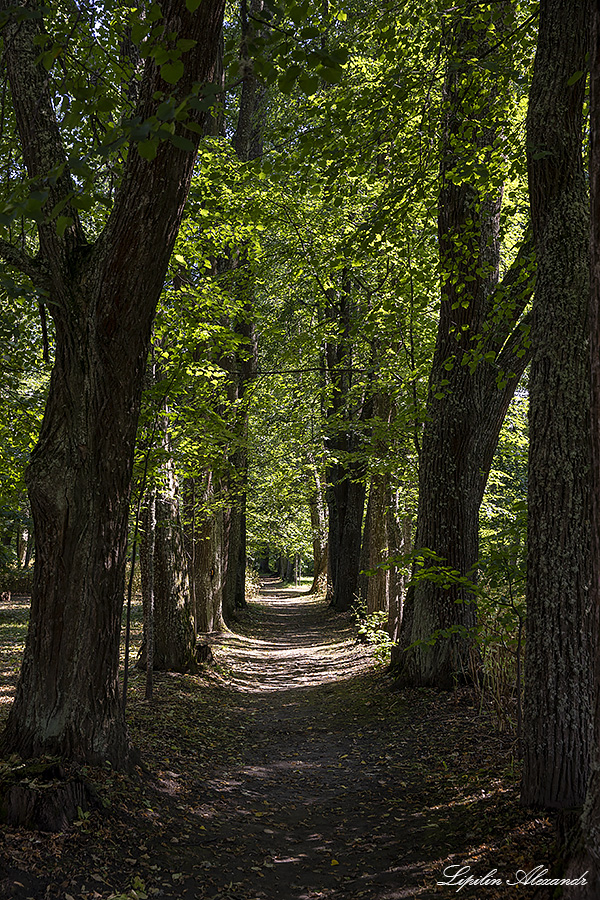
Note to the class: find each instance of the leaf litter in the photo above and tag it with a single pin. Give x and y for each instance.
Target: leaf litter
(289, 771)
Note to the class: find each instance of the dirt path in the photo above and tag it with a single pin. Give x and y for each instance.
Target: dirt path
(293, 772)
(344, 789)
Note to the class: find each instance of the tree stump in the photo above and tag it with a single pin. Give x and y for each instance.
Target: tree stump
(204, 654)
(42, 797)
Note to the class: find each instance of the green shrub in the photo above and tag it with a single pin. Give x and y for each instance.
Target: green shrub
(372, 629)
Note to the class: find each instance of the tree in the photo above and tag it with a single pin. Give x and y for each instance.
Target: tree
(480, 351)
(101, 293)
(346, 472)
(166, 576)
(585, 855)
(23, 384)
(318, 521)
(560, 636)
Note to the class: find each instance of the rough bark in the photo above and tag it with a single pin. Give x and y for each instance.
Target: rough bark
(378, 589)
(206, 541)
(465, 408)
(559, 659)
(147, 578)
(174, 632)
(345, 501)
(42, 796)
(362, 586)
(318, 521)
(248, 138)
(102, 298)
(234, 561)
(247, 142)
(399, 528)
(585, 857)
(243, 367)
(263, 561)
(174, 635)
(374, 589)
(346, 472)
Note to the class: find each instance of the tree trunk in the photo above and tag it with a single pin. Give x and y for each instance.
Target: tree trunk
(318, 521)
(289, 570)
(345, 501)
(585, 858)
(375, 538)
(207, 544)
(400, 534)
(147, 567)
(473, 377)
(365, 551)
(174, 632)
(102, 298)
(347, 472)
(209, 577)
(28, 548)
(234, 560)
(175, 636)
(560, 638)
(263, 561)
(247, 142)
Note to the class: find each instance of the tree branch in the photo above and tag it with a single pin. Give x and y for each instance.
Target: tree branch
(41, 143)
(18, 259)
(514, 292)
(153, 191)
(508, 359)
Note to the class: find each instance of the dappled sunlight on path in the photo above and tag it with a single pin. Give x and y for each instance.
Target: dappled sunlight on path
(300, 644)
(341, 788)
(289, 771)
(311, 798)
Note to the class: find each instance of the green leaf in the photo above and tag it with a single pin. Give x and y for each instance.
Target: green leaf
(574, 78)
(166, 111)
(139, 30)
(171, 72)
(147, 149)
(298, 13)
(185, 44)
(193, 5)
(288, 78)
(332, 76)
(50, 56)
(83, 201)
(62, 223)
(106, 103)
(154, 14)
(309, 84)
(181, 142)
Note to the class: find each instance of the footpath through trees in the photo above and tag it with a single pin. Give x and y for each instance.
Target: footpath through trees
(291, 772)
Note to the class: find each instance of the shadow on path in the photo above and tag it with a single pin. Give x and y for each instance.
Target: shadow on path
(342, 789)
(288, 639)
(291, 771)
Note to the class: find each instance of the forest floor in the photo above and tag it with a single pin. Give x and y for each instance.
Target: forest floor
(289, 771)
